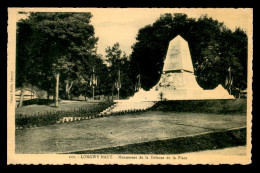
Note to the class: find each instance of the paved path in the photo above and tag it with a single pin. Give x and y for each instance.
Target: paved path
(121, 130)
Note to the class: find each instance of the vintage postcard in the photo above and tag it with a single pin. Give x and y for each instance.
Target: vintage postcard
(142, 86)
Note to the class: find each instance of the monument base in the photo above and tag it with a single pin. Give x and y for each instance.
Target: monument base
(185, 94)
(182, 85)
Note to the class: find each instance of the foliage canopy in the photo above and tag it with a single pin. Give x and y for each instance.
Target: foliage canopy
(213, 47)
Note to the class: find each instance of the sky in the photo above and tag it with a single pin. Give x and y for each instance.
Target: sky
(121, 25)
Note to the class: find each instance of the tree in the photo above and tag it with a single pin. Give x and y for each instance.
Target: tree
(82, 84)
(62, 44)
(118, 63)
(102, 74)
(213, 47)
(27, 61)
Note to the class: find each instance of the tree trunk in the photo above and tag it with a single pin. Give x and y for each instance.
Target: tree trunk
(21, 97)
(67, 89)
(48, 95)
(112, 92)
(57, 90)
(93, 93)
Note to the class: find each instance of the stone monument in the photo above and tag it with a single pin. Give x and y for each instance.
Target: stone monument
(178, 81)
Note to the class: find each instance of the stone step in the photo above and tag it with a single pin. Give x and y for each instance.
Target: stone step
(128, 107)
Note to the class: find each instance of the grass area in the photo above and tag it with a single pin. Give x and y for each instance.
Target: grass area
(47, 115)
(216, 140)
(34, 109)
(121, 130)
(206, 106)
(165, 121)
(237, 150)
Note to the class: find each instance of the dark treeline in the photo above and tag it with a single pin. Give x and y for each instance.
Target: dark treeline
(57, 53)
(213, 47)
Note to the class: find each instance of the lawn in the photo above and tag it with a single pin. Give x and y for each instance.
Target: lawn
(210, 141)
(122, 130)
(228, 106)
(165, 121)
(63, 106)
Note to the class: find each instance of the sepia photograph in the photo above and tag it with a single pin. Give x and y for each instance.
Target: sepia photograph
(143, 86)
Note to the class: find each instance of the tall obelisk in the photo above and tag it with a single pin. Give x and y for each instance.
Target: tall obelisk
(178, 56)
(178, 79)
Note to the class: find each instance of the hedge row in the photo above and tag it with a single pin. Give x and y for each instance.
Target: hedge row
(203, 106)
(51, 117)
